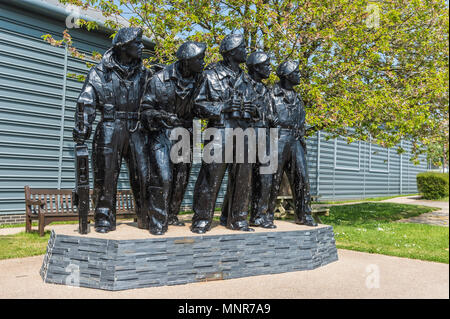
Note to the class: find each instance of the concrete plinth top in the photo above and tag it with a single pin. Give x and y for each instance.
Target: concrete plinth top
(128, 230)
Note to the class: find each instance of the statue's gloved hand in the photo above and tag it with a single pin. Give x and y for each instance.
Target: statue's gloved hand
(80, 136)
(273, 120)
(172, 119)
(147, 120)
(252, 110)
(231, 106)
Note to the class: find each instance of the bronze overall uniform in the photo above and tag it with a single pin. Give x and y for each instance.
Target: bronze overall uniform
(260, 183)
(168, 93)
(116, 91)
(290, 114)
(217, 88)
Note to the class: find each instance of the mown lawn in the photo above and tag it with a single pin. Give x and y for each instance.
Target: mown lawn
(372, 227)
(23, 245)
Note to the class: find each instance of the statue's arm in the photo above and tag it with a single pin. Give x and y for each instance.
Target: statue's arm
(154, 116)
(207, 102)
(85, 110)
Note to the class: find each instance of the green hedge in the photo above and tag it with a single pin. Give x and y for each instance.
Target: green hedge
(433, 185)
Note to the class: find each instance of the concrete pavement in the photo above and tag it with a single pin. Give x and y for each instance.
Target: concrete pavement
(354, 275)
(439, 217)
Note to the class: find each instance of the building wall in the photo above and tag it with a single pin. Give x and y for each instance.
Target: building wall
(37, 106)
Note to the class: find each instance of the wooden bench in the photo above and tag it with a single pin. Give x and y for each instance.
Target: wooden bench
(50, 205)
(285, 207)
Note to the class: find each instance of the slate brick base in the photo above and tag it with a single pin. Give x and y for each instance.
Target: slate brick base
(127, 264)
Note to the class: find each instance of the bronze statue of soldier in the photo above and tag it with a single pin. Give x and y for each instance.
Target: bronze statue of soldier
(289, 118)
(115, 87)
(167, 104)
(259, 68)
(221, 100)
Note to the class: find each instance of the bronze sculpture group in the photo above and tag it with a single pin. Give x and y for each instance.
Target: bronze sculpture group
(140, 109)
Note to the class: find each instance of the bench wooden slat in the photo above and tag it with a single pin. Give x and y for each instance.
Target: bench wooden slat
(48, 205)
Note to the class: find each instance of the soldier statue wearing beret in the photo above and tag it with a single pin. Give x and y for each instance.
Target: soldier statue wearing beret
(168, 104)
(115, 87)
(289, 118)
(259, 68)
(222, 100)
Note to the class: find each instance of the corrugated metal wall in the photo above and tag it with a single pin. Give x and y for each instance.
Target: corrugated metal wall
(37, 106)
(34, 96)
(361, 169)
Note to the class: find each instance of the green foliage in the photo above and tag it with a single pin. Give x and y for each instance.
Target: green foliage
(433, 185)
(378, 67)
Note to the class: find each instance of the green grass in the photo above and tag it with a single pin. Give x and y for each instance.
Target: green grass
(371, 227)
(23, 245)
(371, 199)
(35, 224)
(444, 199)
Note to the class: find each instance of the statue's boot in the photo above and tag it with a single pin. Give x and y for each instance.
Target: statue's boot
(156, 227)
(223, 220)
(174, 221)
(306, 220)
(241, 225)
(200, 226)
(104, 221)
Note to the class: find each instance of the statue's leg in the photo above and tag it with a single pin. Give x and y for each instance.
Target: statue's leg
(180, 179)
(260, 197)
(106, 158)
(160, 183)
(277, 177)
(138, 171)
(238, 202)
(261, 188)
(224, 211)
(206, 190)
(299, 180)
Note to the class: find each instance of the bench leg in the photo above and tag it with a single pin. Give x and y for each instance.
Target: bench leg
(316, 218)
(27, 224)
(41, 225)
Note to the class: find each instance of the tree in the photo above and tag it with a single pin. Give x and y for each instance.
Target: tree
(380, 68)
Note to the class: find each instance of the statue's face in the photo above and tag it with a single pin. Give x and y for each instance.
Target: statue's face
(240, 53)
(134, 48)
(294, 77)
(196, 64)
(264, 69)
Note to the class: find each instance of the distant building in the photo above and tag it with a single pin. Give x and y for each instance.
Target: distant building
(37, 106)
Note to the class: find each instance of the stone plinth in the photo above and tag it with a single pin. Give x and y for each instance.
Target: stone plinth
(132, 258)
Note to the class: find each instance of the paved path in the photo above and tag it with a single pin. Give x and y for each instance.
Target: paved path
(439, 217)
(354, 275)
